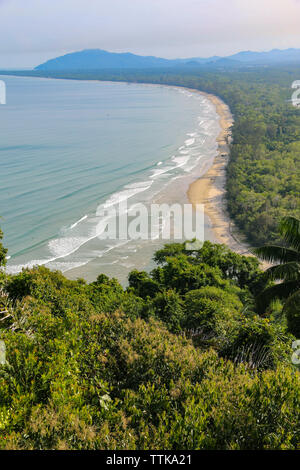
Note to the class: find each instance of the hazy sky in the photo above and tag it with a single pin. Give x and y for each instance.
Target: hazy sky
(32, 31)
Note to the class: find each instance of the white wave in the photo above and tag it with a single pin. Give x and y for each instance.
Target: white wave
(127, 265)
(65, 265)
(78, 221)
(16, 268)
(140, 184)
(187, 93)
(190, 142)
(82, 233)
(112, 247)
(109, 263)
(193, 165)
(157, 173)
(65, 246)
(51, 264)
(181, 161)
(121, 196)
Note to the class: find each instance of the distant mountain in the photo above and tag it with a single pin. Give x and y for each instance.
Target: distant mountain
(224, 62)
(198, 60)
(271, 57)
(96, 59)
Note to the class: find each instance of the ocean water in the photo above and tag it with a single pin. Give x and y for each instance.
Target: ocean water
(70, 149)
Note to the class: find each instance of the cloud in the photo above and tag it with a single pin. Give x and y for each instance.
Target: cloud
(38, 28)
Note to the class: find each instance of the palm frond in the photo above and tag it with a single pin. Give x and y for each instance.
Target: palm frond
(285, 272)
(279, 291)
(273, 253)
(290, 230)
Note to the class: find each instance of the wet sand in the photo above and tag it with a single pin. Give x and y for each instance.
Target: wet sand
(210, 189)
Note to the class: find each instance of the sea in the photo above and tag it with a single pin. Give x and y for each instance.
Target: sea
(69, 150)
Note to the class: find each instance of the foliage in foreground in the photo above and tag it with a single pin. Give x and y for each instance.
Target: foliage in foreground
(179, 360)
(288, 271)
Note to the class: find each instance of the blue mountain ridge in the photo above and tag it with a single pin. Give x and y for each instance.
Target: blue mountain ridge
(96, 59)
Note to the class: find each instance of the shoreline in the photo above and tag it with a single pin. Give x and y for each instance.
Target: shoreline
(210, 188)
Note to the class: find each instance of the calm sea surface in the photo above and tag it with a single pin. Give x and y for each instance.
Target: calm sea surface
(69, 148)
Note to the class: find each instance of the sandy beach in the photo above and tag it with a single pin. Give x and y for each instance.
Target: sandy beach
(210, 190)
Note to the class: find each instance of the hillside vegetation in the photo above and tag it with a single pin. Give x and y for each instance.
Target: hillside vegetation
(178, 360)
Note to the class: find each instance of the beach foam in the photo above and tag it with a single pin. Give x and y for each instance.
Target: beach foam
(78, 221)
(82, 234)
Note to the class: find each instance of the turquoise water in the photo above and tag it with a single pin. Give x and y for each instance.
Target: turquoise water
(70, 147)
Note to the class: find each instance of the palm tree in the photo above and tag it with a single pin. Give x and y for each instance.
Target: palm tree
(288, 269)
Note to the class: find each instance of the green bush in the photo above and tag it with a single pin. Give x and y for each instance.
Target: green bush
(292, 312)
(178, 360)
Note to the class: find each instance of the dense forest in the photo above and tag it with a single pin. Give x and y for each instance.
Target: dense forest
(181, 359)
(263, 181)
